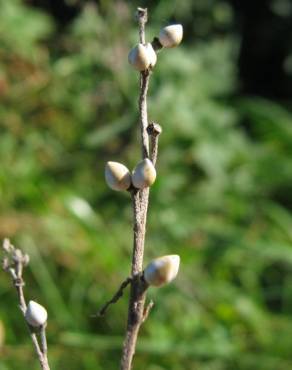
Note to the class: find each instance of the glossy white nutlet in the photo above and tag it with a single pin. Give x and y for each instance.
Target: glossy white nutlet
(35, 314)
(171, 36)
(151, 54)
(144, 174)
(142, 57)
(117, 176)
(162, 270)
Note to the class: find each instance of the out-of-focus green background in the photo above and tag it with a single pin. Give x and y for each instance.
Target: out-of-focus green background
(222, 200)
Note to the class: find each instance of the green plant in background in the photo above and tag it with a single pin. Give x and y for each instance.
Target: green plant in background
(222, 198)
(161, 270)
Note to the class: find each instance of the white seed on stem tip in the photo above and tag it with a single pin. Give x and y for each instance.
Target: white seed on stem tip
(142, 57)
(144, 174)
(117, 176)
(35, 314)
(162, 270)
(171, 36)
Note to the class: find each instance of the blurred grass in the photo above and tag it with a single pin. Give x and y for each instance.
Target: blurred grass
(222, 199)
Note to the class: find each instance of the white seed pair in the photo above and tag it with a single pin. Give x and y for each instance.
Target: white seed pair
(118, 176)
(143, 56)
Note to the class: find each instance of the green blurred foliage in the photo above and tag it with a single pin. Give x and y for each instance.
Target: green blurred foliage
(222, 199)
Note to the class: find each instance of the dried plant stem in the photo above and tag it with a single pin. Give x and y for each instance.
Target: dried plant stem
(154, 130)
(137, 313)
(138, 286)
(13, 263)
(115, 298)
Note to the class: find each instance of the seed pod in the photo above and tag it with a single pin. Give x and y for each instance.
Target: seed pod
(144, 174)
(35, 314)
(171, 36)
(162, 270)
(117, 176)
(142, 57)
(138, 57)
(151, 55)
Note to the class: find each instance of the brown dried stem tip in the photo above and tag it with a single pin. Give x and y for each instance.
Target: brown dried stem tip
(142, 18)
(154, 130)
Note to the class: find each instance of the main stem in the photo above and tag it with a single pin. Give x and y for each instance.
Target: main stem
(140, 201)
(138, 286)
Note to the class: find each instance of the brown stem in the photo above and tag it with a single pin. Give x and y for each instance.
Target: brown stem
(142, 17)
(154, 130)
(44, 347)
(140, 199)
(144, 84)
(138, 286)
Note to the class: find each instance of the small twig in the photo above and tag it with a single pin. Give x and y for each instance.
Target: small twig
(43, 337)
(115, 298)
(147, 310)
(13, 263)
(154, 130)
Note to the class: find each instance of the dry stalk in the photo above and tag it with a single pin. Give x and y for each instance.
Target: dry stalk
(13, 263)
(137, 313)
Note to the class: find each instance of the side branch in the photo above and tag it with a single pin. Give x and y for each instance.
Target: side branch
(154, 130)
(115, 298)
(13, 263)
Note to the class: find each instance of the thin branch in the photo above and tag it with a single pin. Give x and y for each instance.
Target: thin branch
(115, 298)
(147, 310)
(154, 130)
(44, 339)
(13, 263)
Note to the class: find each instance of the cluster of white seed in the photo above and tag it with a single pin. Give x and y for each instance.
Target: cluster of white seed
(142, 57)
(118, 177)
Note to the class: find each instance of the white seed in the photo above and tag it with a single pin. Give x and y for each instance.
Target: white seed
(35, 314)
(142, 57)
(144, 174)
(139, 58)
(151, 55)
(117, 176)
(162, 270)
(171, 36)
